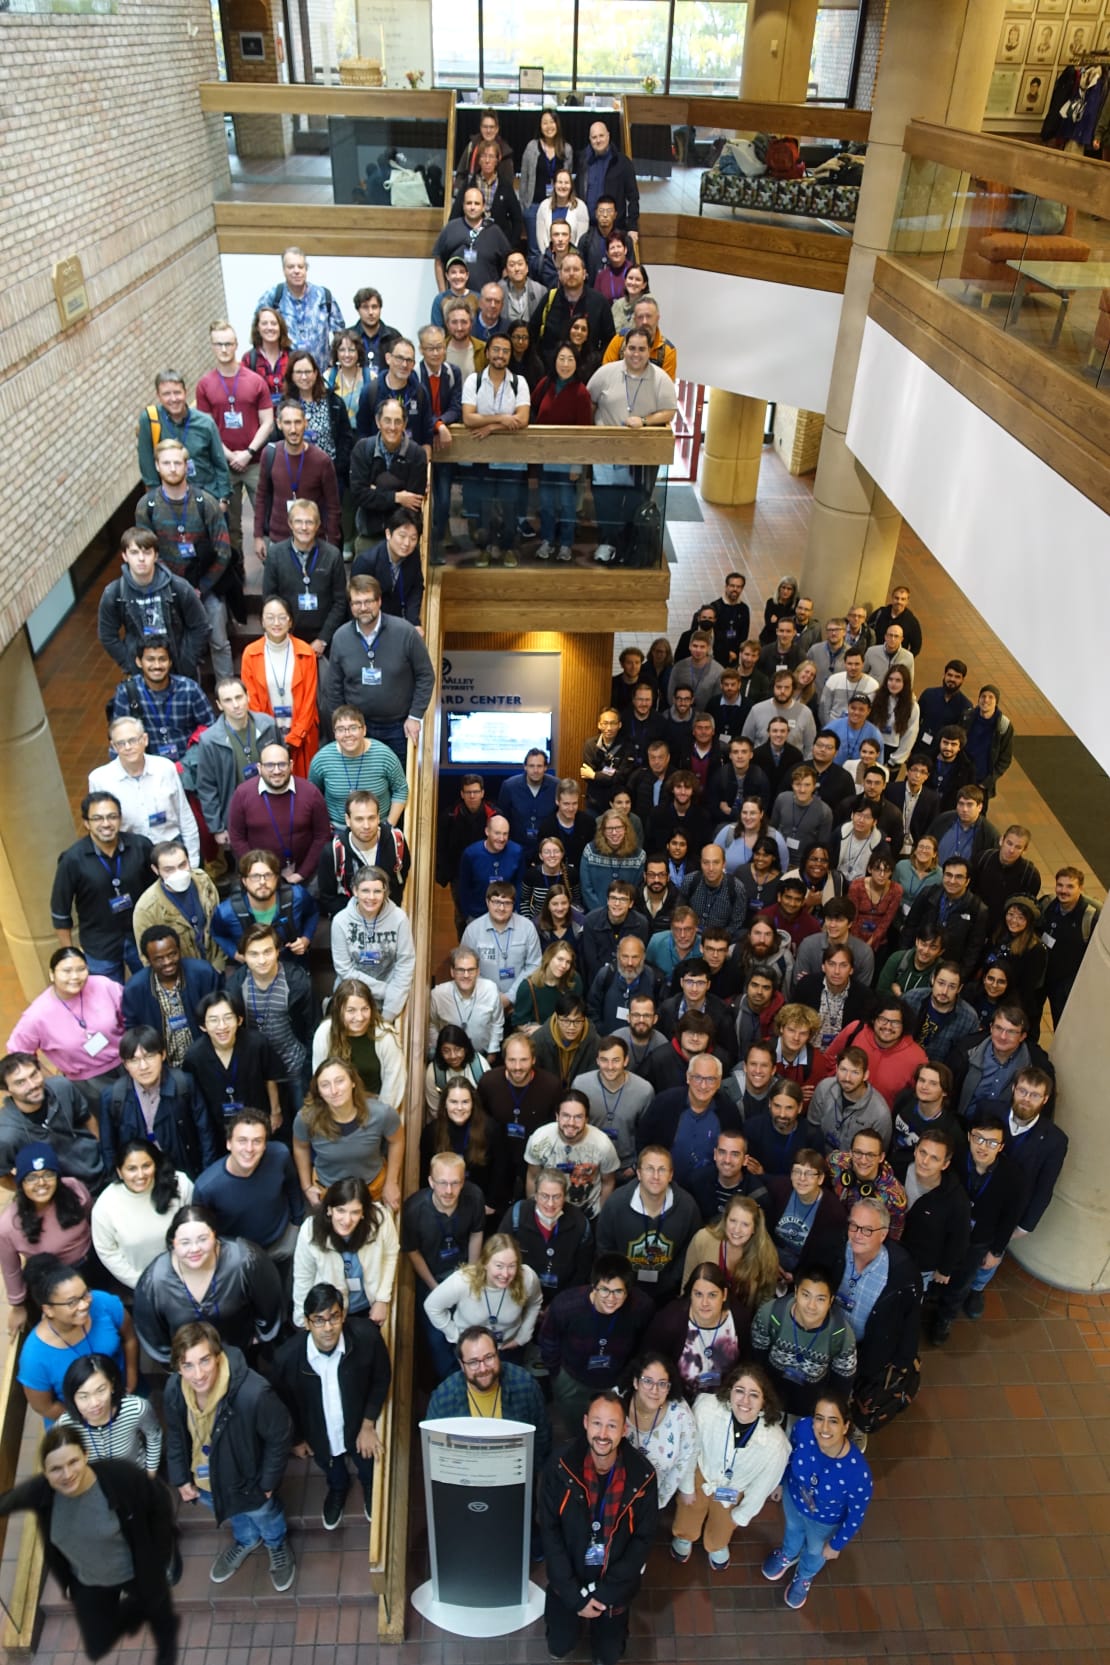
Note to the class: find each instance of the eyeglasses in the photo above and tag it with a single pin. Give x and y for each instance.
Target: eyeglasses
(98, 818)
(324, 1320)
(703, 1080)
(126, 745)
(805, 1173)
(479, 1363)
(864, 1231)
(988, 1144)
(350, 728)
(654, 1385)
(76, 1301)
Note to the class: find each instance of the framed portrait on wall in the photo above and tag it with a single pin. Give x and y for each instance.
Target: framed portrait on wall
(1033, 93)
(1013, 42)
(1044, 42)
(1103, 42)
(1002, 92)
(1078, 38)
(1085, 8)
(1057, 7)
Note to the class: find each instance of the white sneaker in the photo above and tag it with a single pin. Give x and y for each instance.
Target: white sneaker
(566, 553)
(605, 554)
(494, 552)
(545, 551)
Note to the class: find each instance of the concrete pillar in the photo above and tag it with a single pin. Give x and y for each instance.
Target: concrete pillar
(733, 448)
(35, 817)
(1071, 1246)
(778, 44)
(938, 57)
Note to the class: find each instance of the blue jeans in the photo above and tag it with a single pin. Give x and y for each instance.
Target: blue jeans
(508, 489)
(444, 1359)
(984, 1275)
(117, 969)
(265, 1525)
(557, 494)
(804, 1537)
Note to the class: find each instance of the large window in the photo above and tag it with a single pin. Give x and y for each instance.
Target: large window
(708, 45)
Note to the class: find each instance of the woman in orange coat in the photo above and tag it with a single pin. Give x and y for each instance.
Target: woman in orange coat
(279, 672)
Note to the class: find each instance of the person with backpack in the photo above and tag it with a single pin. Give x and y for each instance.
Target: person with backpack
(264, 897)
(495, 400)
(633, 393)
(310, 312)
(193, 540)
(147, 601)
(172, 417)
(294, 471)
(171, 708)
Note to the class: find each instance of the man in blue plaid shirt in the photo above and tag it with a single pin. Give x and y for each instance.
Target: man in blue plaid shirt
(169, 707)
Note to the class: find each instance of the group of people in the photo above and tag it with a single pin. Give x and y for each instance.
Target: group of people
(733, 1083)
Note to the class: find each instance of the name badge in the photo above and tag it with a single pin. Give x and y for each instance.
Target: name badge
(95, 1044)
(178, 1023)
(906, 906)
(647, 1274)
(515, 1130)
(191, 469)
(727, 1495)
(506, 974)
(600, 1361)
(354, 1284)
(250, 770)
(610, 1133)
(120, 904)
(448, 1249)
(469, 256)
(370, 956)
(709, 1378)
(308, 602)
(284, 712)
(622, 1013)
(233, 419)
(289, 502)
(371, 676)
(595, 1555)
(156, 818)
(202, 1471)
(186, 549)
(1049, 941)
(792, 843)
(548, 1280)
(926, 739)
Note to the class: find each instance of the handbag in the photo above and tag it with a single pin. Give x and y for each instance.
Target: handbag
(876, 1403)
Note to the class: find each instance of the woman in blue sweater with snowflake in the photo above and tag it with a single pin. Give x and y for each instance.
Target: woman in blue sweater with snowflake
(825, 1493)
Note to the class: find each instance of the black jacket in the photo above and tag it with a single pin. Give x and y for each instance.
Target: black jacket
(937, 1229)
(659, 1122)
(566, 1523)
(284, 575)
(144, 1508)
(997, 1206)
(619, 183)
(181, 618)
(551, 323)
(777, 773)
(244, 1302)
(964, 931)
(641, 789)
(504, 210)
(881, 620)
(339, 867)
(724, 1030)
(183, 1128)
(858, 1004)
(572, 1245)
(724, 788)
(925, 812)
(458, 829)
(1040, 1155)
(600, 937)
(834, 784)
(949, 779)
(140, 999)
(402, 585)
(250, 1440)
(893, 1328)
(377, 476)
(364, 1376)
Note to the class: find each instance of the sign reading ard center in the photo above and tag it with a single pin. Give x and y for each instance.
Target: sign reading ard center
(497, 706)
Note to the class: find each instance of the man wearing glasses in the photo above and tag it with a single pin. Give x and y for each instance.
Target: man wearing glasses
(277, 813)
(400, 382)
(488, 1385)
(148, 789)
(998, 1188)
(688, 1120)
(102, 876)
(333, 1378)
(880, 1290)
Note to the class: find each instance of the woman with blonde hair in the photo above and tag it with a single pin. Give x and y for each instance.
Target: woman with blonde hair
(614, 852)
(740, 1244)
(498, 1291)
(536, 995)
(354, 1031)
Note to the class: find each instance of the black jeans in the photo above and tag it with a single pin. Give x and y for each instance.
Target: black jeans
(106, 1612)
(608, 1634)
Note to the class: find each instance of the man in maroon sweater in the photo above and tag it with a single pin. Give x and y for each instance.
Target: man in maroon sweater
(294, 469)
(276, 812)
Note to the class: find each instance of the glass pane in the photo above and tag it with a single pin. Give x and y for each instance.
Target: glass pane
(333, 159)
(834, 44)
(620, 43)
(722, 173)
(455, 42)
(515, 35)
(708, 43)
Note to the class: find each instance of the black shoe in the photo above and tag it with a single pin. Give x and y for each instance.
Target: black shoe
(368, 1500)
(942, 1329)
(974, 1303)
(332, 1514)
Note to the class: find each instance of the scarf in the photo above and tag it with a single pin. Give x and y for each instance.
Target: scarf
(202, 1422)
(613, 1500)
(566, 1054)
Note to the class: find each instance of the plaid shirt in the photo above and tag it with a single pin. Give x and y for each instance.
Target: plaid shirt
(170, 717)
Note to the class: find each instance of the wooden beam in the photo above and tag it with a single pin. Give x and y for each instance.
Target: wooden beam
(649, 446)
(272, 98)
(1044, 406)
(583, 600)
(1030, 166)
(824, 121)
(398, 245)
(329, 217)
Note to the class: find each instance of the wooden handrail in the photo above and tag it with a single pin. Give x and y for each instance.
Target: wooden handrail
(389, 1542)
(20, 1622)
(1027, 166)
(647, 446)
(289, 98)
(744, 115)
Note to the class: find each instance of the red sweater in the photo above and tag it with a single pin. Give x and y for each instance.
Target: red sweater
(569, 409)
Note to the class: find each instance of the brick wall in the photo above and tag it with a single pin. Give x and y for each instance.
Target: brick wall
(108, 157)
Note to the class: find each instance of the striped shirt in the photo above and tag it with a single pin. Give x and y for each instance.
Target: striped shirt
(134, 1434)
(376, 771)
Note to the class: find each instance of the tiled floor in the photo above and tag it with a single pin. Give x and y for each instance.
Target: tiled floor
(989, 1535)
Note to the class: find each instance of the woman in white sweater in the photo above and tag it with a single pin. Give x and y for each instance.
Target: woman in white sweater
(498, 1291)
(353, 1030)
(742, 1456)
(562, 204)
(351, 1242)
(131, 1216)
(661, 1426)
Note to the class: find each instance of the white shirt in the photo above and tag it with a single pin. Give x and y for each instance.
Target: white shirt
(492, 399)
(326, 1366)
(153, 803)
(481, 1014)
(838, 690)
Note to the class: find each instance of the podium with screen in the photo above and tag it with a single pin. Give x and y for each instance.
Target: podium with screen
(496, 739)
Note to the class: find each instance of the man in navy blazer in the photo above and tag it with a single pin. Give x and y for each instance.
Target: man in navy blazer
(183, 982)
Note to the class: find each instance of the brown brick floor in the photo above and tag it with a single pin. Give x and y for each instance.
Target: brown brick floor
(989, 1535)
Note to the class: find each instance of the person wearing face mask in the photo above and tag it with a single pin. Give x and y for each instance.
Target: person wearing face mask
(182, 896)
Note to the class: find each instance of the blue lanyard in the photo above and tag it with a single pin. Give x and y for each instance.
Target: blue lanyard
(176, 503)
(265, 1018)
(738, 1444)
(79, 1019)
(503, 955)
(294, 485)
(288, 840)
(611, 1110)
(352, 785)
(490, 1314)
(369, 643)
(114, 875)
(93, 1432)
(230, 391)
